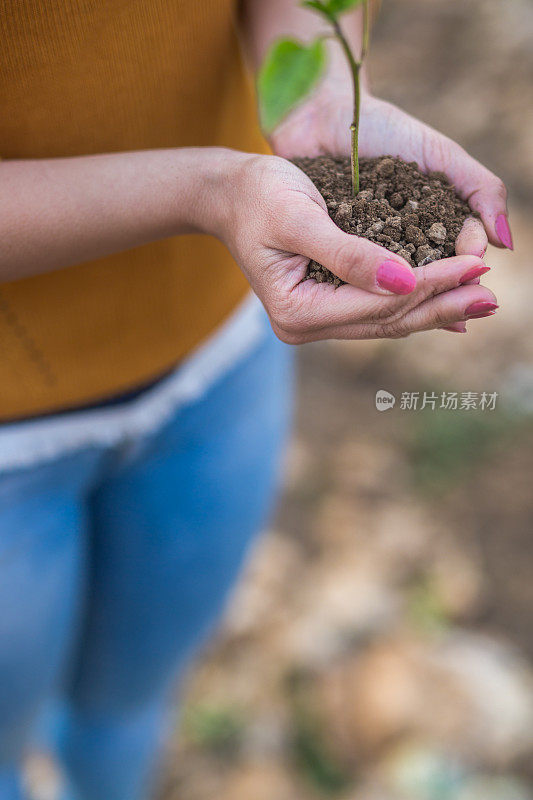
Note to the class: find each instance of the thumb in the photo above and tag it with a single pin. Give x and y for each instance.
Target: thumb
(354, 260)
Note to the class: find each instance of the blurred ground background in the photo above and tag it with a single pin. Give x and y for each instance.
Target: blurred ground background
(381, 644)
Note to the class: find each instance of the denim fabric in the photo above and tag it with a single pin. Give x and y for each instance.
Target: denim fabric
(115, 564)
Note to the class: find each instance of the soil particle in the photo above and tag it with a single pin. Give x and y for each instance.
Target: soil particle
(416, 215)
(385, 168)
(343, 215)
(393, 233)
(437, 233)
(396, 200)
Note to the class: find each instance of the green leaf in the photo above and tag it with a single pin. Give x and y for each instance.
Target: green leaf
(320, 7)
(315, 5)
(340, 6)
(289, 73)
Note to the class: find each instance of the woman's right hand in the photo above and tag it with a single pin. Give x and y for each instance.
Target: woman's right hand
(274, 221)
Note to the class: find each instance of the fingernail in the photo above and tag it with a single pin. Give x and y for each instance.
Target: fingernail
(480, 307)
(460, 327)
(504, 231)
(479, 316)
(396, 278)
(475, 272)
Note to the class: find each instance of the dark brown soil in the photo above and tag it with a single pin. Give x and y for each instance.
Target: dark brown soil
(415, 215)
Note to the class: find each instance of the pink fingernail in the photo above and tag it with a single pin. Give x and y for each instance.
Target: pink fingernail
(475, 272)
(504, 231)
(480, 308)
(460, 327)
(395, 278)
(479, 316)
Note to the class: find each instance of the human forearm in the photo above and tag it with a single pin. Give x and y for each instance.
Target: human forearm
(59, 212)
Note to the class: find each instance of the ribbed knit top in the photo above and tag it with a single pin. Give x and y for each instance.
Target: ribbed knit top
(96, 76)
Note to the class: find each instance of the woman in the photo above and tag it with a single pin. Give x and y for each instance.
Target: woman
(143, 396)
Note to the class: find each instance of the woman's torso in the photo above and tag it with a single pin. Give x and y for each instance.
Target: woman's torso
(89, 76)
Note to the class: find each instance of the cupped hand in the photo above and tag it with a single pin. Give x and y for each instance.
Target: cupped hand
(275, 221)
(321, 125)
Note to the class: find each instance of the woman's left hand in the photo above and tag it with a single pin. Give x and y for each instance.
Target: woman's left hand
(321, 125)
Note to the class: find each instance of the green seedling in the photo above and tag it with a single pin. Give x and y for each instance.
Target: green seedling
(292, 69)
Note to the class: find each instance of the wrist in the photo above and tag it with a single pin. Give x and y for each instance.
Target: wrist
(216, 171)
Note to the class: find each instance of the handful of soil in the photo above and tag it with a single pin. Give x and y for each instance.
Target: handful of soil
(416, 215)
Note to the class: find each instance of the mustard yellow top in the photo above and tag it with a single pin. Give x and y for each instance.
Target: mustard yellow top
(100, 76)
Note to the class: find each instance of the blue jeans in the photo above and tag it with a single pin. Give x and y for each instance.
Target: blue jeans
(115, 565)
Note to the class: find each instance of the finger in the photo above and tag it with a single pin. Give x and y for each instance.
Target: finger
(318, 306)
(442, 311)
(484, 191)
(448, 273)
(310, 232)
(321, 305)
(472, 239)
(461, 304)
(456, 327)
(490, 201)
